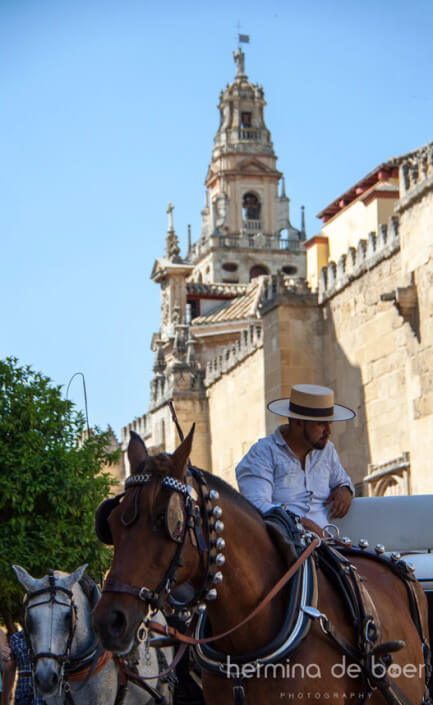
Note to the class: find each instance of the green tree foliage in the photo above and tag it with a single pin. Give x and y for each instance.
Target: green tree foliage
(50, 483)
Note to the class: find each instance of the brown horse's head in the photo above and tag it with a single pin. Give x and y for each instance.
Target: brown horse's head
(146, 525)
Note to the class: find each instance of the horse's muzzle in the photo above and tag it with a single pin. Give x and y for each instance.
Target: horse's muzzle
(115, 628)
(47, 676)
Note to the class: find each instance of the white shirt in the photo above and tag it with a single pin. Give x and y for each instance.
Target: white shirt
(270, 474)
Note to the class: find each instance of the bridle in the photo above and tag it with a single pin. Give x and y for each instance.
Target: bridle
(52, 589)
(199, 520)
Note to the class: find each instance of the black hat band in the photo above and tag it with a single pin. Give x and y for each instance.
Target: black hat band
(306, 411)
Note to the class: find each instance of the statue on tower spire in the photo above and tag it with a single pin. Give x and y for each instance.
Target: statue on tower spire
(239, 58)
(172, 243)
(170, 210)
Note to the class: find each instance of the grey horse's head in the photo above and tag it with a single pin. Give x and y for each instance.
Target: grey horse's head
(51, 624)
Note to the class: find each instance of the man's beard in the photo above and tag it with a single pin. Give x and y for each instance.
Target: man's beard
(317, 445)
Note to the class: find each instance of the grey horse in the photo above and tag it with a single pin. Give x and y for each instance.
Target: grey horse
(58, 625)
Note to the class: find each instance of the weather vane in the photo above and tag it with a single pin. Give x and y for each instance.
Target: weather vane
(239, 55)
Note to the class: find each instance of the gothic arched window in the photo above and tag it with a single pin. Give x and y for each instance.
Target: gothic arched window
(251, 206)
(257, 270)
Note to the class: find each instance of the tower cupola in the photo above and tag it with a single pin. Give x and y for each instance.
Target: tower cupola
(246, 228)
(242, 125)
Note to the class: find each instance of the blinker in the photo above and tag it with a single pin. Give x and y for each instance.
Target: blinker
(102, 529)
(175, 518)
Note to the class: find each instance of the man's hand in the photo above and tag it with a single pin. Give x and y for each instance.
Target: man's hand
(340, 500)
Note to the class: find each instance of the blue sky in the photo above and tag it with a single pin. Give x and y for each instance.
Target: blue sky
(109, 112)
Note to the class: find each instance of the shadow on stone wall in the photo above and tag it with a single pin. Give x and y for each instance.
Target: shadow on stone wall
(350, 437)
(301, 346)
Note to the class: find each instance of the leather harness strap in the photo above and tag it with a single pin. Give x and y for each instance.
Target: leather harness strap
(361, 656)
(91, 670)
(391, 692)
(184, 638)
(187, 640)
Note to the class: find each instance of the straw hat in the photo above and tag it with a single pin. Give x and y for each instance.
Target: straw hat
(309, 402)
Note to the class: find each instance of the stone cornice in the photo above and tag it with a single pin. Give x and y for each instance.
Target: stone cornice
(415, 194)
(163, 267)
(316, 240)
(286, 290)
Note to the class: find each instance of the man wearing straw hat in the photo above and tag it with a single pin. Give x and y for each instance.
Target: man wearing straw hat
(297, 466)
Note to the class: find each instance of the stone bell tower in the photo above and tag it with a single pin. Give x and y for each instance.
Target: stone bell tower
(246, 227)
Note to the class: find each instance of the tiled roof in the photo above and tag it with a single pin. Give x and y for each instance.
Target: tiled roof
(390, 168)
(242, 307)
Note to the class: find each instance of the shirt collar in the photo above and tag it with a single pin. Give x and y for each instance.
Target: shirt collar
(279, 440)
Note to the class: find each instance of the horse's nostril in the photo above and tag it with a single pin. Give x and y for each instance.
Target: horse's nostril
(48, 682)
(116, 622)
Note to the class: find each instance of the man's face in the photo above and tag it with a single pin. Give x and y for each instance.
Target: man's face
(316, 433)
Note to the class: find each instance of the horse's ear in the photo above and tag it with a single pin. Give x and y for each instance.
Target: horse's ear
(182, 453)
(137, 451)
(27, 581)
(74, 577)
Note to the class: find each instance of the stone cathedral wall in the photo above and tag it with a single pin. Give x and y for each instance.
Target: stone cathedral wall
(365, 353)
(368, 335)
(377, 305)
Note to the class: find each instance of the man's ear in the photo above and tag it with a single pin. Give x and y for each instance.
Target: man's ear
(182, 453)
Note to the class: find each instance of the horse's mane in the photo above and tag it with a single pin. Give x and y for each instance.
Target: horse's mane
(222, 486)
(159, 465)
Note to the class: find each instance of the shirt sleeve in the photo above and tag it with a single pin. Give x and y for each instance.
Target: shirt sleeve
(255, 476)
(13, 647)
(339, 477)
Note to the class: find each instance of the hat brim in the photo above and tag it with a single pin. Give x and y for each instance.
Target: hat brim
(281, 407)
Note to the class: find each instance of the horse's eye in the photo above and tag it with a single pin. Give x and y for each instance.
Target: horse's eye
(159, 522)
(68, 617)
(28, 622)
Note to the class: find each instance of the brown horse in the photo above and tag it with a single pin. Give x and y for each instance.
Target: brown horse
(167, 532)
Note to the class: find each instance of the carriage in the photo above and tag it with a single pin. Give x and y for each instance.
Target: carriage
(396, 524)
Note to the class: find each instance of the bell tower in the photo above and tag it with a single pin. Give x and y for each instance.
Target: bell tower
(246, 227)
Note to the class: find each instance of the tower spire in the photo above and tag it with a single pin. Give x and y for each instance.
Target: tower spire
(189, 239)
(303, 221)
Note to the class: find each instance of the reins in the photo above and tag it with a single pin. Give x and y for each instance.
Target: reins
(184, 638)
(187, 640)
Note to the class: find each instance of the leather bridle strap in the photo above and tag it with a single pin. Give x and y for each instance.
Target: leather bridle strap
(390, 690)
(52, 589)
(135, 678)
(171, 631)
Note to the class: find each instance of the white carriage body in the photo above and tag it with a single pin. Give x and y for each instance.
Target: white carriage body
(400, 523)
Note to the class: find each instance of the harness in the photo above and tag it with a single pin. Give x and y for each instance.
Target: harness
(369, 652)
(52, 590)
(183, 518)
(88, 663)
